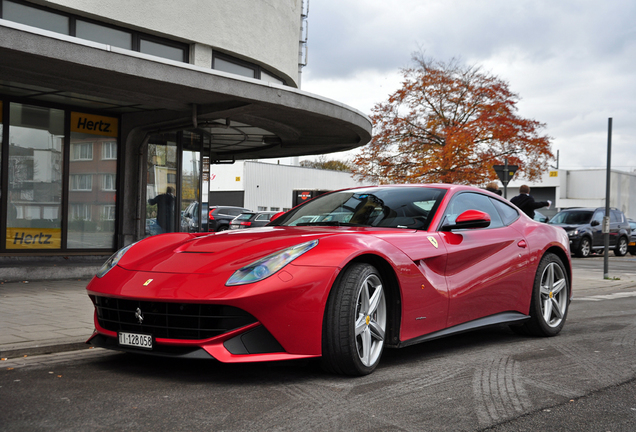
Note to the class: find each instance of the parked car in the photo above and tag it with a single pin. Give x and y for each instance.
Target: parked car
(152, 227)
(367, 269)
(631, 246)
(219, 217)
(190, 218)
(251, 220)
(585, 230)
(540, 217)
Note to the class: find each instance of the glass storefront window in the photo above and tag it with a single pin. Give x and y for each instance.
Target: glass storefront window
(1, 135)
(35, 17)
(271, 78)
(161, 184)
(34, 219)
(161, 50)
(92, 182)
(235, 68)
(102, 34)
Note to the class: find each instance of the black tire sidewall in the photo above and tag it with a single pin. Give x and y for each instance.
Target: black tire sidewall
(579, 250)
(340, 353)
(617, 249)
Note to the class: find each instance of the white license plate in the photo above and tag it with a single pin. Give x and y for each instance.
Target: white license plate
(234, 227)
(135, 340)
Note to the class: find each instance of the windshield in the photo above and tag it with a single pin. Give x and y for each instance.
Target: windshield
(393, 207)
(244, 216)
(572, 217)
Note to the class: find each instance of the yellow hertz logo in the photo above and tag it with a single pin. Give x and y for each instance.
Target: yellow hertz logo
(148, 282)
(433, 241)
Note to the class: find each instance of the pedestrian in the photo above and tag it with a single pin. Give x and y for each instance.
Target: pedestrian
(493, 187)
(165, 209)
(526, 202)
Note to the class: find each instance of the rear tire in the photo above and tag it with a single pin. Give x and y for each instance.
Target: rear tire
(584, 249)
(621, 247)
(550, 299)
(355, 322)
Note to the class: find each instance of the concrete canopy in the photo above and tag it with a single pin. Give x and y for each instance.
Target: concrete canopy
(156, 95)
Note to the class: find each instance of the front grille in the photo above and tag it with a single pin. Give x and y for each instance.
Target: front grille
(169, 320)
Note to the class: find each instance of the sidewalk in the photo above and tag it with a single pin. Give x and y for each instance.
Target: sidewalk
(40, 317)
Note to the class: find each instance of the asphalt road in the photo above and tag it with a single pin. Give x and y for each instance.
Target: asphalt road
(581, 380)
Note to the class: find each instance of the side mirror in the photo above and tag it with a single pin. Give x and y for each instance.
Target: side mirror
(595, 223)
(470, 219)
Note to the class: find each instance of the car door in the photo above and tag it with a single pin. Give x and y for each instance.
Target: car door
(486, 269)
(597, 228)
(616, 226)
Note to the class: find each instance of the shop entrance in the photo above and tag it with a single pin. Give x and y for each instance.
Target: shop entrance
(174, 183)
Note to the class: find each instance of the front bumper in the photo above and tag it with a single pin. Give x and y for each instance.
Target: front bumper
(287, 308)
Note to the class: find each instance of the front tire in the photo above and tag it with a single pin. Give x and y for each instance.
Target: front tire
(621, 247)
(355, 322)
(550, 298)
(584, 249)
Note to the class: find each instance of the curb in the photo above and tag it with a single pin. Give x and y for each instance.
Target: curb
(41, 350)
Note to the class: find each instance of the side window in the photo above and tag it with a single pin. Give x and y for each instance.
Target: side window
(598, 216)
(615, 216)
(508, 214)
(472, 201)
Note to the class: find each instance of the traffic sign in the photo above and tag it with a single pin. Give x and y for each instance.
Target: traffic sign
(505, 172)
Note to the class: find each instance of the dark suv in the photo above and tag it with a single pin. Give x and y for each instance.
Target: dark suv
(219, 217)
(585, 230)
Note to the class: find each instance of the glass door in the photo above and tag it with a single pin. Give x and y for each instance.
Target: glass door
(192, 210)
(161, 184)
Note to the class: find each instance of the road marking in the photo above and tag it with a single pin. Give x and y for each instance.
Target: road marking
(607, 296)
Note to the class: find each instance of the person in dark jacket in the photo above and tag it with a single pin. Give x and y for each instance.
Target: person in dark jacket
(165, 209)
(526, 202)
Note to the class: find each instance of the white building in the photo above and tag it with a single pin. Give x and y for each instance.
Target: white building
(267, 186)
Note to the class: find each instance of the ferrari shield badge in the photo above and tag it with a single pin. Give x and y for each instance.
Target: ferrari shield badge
(433, 241)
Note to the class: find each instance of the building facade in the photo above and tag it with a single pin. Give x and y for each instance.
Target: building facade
(108, 105)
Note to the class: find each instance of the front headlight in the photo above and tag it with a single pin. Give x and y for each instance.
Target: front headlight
(112, 261)
(265, 267)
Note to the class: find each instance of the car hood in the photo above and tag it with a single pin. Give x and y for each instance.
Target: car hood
(213, 253)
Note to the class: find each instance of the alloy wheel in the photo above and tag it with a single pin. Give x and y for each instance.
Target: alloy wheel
(370, 325)
(554, 295)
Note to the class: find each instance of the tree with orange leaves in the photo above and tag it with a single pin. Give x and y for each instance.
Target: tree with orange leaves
(450, 123)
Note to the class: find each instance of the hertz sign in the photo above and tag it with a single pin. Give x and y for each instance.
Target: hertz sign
(33, 238)
(94, 124)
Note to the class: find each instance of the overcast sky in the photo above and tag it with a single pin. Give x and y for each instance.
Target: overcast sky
(572, 62)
